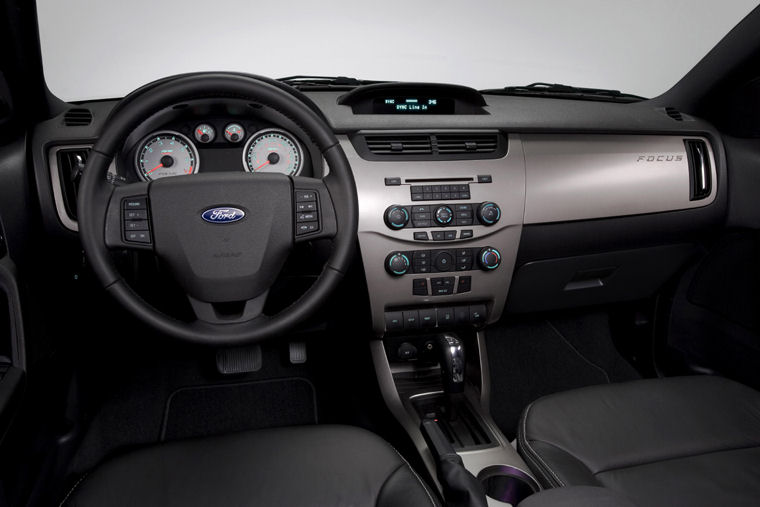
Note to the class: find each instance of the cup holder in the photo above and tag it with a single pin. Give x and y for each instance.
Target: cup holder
(507, 484)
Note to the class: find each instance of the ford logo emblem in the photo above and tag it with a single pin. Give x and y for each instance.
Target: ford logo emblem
(222, 215)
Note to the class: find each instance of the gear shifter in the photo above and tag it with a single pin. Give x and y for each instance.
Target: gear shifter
(452, 363)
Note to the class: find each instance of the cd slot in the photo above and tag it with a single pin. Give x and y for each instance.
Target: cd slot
(426, 180)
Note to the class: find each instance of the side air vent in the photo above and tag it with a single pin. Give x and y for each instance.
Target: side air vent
(71, 163)
(431, 146)
(700, 171)
(466, 143)
(399, 144)
(77, 117)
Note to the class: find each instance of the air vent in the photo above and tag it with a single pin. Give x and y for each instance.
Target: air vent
(466, 143)
(71, 163)
(77, 117)
(674, 113)
(700, 171)
(399, 144)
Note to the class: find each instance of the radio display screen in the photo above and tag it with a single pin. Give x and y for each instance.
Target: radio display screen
(413, 105)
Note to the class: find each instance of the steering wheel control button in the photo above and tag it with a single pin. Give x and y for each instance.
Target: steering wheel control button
(411, 319)
(421, 236)
(307, 212)
(396, 217)
(489, 258)
(305, 195)
(443, 215)
(488, 213)
(394, 320)
(135, 214)
(464, 284)
(420, 287)
(135, 226)
(397, 264)
(136, 203)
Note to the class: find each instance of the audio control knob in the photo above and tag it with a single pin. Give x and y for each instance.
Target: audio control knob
(488, 213)
(396, 217)
(489, 258)
(397, 264)
(443, 215)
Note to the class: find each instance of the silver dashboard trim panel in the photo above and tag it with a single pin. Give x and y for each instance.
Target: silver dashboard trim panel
(582, 177)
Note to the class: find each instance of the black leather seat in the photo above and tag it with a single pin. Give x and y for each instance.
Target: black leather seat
(314, 466)
(679, 441)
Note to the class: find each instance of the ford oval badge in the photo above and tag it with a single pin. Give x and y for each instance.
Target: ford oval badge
(222, 215)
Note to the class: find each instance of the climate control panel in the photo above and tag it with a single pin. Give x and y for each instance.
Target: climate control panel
(442, 260)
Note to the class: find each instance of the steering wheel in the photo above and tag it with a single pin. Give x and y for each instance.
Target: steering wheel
(224, 236)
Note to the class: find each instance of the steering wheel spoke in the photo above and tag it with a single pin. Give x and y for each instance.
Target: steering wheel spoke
(314, 216)
(232, 312)
(128, 222)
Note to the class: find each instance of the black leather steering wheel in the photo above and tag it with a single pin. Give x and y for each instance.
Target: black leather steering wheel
(229, 259)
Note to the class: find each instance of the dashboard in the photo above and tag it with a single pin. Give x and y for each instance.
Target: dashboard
(470, 207)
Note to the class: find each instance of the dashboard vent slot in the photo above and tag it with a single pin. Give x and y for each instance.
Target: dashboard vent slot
(71, 163)
(399, 144)
(674, 113)
(700, 171)
(466, 143)
(77, 117)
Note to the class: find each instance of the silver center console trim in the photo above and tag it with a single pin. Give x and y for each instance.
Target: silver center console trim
(376, 240)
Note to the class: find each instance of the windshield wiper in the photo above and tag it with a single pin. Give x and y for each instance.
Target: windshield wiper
(562, 91)
(325, 82)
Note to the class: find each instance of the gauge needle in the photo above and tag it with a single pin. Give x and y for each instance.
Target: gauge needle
(262, 165)
(159, 165)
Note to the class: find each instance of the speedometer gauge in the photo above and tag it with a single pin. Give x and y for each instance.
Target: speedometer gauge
(273, 151)
(165, 154)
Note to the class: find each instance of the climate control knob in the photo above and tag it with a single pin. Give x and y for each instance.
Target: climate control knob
(397, 264)
(488, 213)
(489, 258)
(443, 215)
(396, 217)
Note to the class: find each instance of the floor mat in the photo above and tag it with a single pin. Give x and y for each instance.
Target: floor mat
(533, 358)
(216, 409)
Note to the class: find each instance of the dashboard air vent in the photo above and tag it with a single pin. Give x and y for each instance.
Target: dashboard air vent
(466, 143)
(77, 117)
(674, 113)
(700, 174)
(71, 163)
(399, 144)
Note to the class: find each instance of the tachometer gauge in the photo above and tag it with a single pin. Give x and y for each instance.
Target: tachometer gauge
(164, 154)
(234, 132)
(205, 133)
(273, 151)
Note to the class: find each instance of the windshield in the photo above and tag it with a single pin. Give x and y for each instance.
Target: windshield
(105, 49)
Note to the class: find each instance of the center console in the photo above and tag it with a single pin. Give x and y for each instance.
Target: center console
(438, 237)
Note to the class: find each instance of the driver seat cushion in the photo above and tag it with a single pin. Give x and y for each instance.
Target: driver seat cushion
(297, 466)
(660, 442)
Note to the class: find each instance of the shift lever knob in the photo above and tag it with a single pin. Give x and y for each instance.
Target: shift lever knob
(452, 363)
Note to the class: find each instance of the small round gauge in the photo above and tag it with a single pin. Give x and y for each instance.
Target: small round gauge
(205, 133)
(234, 132)
(164, 154)
(273, 151)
